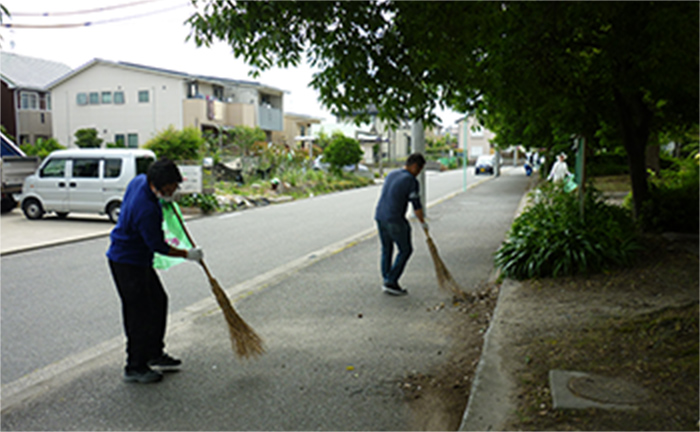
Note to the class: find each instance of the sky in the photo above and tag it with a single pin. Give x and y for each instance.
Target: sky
(147, 32)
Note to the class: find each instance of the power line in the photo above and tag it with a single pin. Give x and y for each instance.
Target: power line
(80, 12)
(91, 23)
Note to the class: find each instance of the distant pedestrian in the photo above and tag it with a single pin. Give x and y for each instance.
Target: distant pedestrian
(135, 238)
(400, 187)
(559, 170)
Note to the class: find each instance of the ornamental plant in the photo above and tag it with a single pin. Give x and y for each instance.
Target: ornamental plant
(552, 239)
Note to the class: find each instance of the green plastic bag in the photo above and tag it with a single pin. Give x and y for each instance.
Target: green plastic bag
(174, 236)
(570, 184)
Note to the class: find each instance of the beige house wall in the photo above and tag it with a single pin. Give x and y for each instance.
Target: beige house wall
(34, 124)
(196, 114)
(292, 129)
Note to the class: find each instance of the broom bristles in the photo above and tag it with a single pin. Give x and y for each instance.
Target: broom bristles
(444, 277)
(246, 343)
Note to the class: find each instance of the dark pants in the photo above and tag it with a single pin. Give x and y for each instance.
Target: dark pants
(390, 233)
(144, 312)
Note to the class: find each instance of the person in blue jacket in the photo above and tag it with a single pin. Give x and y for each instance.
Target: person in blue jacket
(400, 187)
(135, 238)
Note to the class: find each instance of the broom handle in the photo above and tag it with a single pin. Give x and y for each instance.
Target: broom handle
(189, 237)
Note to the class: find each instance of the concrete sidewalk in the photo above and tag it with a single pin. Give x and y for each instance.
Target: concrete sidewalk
(337, 347)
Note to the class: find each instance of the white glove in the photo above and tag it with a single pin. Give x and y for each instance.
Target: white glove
(425, 226)
(195, 254)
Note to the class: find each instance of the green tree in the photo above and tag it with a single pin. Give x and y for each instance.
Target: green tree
(87, 138)
(536, 73)
(342, 151)
(184, 145)
(42, 148)
(244, 138)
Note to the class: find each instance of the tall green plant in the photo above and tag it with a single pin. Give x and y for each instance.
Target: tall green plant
(551, 239)
(42, 148)
(177, 145)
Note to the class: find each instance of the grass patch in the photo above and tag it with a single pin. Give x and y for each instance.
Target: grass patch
(613, 183)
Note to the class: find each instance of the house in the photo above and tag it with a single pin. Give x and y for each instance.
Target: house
(297, 131)
(25, 110)
(478, 139)
(130, 103)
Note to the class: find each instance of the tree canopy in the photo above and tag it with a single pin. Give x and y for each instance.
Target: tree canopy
(536, 73)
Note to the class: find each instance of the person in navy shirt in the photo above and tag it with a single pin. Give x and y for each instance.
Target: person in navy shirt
(136, 237)
(400, 187)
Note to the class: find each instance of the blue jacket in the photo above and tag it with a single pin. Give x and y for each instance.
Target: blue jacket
(139, 230)
(400, 187)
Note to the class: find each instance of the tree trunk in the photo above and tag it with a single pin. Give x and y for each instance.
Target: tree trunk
(653, 154)
(635, 119)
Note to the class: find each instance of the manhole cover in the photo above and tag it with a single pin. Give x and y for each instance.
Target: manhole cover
(607, 390)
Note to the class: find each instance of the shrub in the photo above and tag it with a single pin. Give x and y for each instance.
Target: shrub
(42, 148)
(551, 239)
(342, 151)
(674, 199)
(206, 202)
(184, 145)
(87, 138)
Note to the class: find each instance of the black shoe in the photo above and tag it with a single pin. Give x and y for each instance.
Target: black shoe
(142, 376)
(393, 289)
(164, 361)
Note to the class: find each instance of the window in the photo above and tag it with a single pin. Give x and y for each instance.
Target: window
(106, 97)
(143, 95)
(118, 97)
(142, 164)
(477, 131)
(120, 140)
(81, 98)
(29, 101)
(55, 168)
(192, 89)
(94, 98)
(113, 167)
(86, 168)
(219, 92)
(48, 102)
(133, 141)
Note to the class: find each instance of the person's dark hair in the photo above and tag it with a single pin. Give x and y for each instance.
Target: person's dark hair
(163, 172)
(416, 158)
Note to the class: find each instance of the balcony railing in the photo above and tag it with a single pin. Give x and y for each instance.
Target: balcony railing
(270, 118)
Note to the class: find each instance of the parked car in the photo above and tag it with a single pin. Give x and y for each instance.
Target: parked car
(87, 181)
(484, 164)
(319, 164)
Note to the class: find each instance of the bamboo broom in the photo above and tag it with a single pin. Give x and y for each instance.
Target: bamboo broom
(245, 342)
(444, 277)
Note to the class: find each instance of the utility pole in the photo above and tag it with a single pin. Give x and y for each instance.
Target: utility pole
(465, 127)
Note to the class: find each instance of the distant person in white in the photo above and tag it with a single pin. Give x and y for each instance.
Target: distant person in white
(559, 170)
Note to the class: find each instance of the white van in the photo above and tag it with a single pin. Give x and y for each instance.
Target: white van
(84, 181)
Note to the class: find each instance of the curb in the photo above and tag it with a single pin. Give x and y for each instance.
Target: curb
(491, 390)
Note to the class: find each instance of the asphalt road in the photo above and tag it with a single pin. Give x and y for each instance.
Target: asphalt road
(60, 301)
(338, 350)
